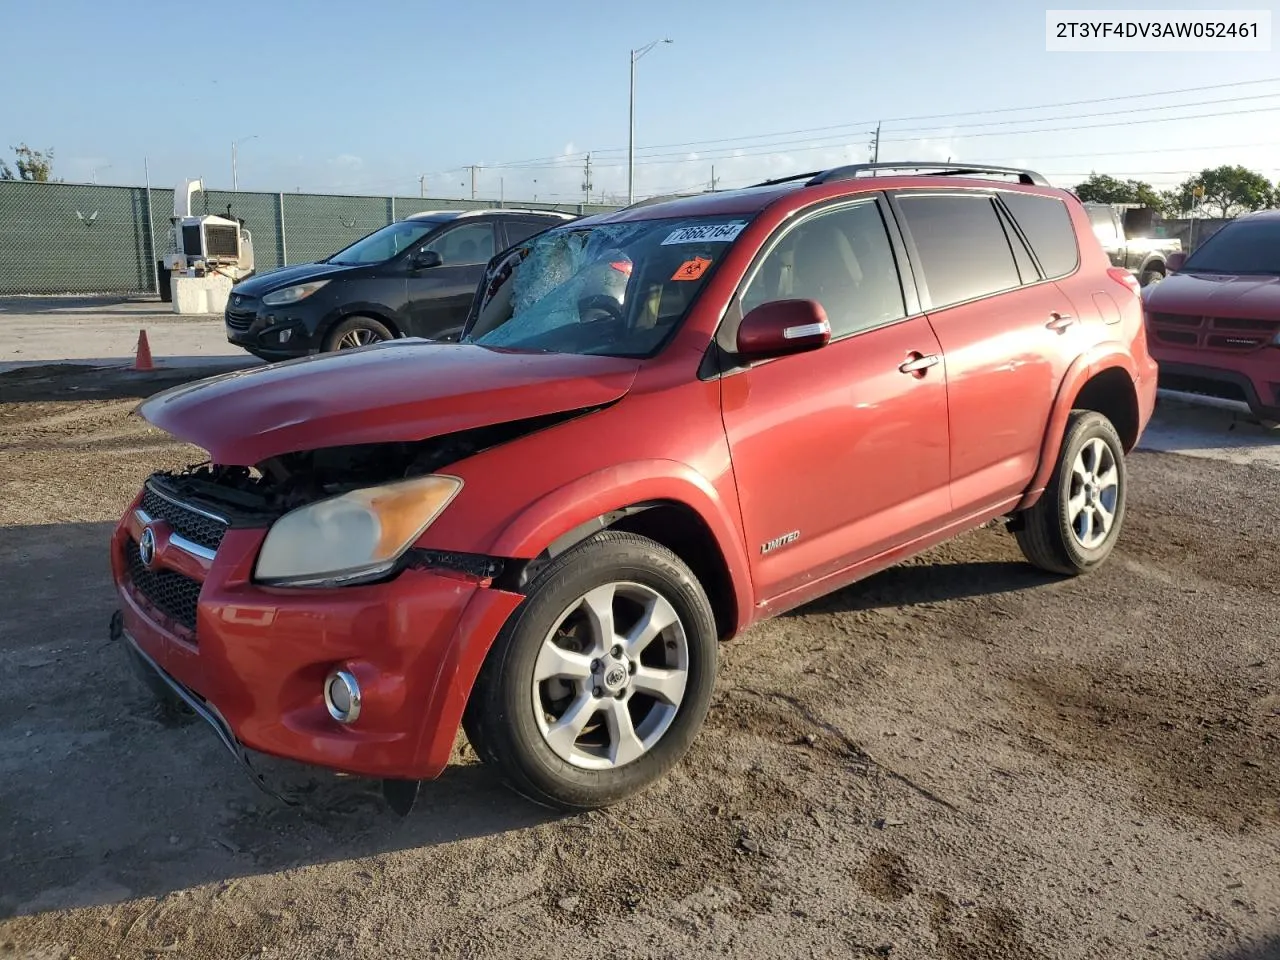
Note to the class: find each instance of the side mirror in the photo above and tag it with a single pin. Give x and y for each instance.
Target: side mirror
(425, 259)
(783, 327)
(1174, 262)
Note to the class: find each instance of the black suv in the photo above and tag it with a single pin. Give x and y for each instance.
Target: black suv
(412, 278)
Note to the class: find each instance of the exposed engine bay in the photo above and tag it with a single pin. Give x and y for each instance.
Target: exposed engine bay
(256, 496)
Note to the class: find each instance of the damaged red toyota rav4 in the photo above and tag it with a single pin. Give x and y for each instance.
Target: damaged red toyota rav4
(660, 426)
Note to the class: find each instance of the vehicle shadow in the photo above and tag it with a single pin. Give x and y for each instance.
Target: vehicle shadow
(1267, 948)
(109, 379)
(916, 583)
(105, 800)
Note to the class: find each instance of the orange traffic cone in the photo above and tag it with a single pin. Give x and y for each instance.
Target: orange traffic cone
(143, 359)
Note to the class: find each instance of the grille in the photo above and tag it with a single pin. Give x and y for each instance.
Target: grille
(187, 523)
(221, 240)
(1232, 334)
(172, 593)
(241, 317)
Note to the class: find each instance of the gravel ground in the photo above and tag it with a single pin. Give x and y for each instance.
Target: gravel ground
(958, 759)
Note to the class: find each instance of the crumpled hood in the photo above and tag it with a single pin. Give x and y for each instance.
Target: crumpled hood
(1217, 295)
(401, 390)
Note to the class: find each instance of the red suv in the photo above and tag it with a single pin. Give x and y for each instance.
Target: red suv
(1215, 324)
(660, 426)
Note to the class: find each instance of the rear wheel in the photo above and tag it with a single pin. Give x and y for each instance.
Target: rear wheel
(599, 683)
(1073, 527)
(356, 332)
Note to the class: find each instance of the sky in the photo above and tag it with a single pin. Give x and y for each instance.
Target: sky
(370, 97)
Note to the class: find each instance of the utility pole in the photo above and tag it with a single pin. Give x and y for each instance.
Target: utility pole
(422, 186)
(713, 178)
(586, 180)
(631, 141)
(473, 168)
(502, 190)
(875, 145)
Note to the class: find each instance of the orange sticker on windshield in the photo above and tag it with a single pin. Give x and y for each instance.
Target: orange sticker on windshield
(691, 269)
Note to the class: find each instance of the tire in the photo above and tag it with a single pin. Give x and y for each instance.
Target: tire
(353, 330)
(1051, 534)
(1151, 275)
(512, 721)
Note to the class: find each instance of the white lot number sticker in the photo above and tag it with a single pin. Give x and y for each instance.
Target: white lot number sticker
(706, 233)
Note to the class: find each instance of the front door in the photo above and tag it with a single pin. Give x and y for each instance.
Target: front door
(439, 297)
(839, 454)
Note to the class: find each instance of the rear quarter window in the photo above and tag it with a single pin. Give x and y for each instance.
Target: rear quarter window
(1046, 223)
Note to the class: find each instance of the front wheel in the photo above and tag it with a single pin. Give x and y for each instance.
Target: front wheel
(1151, 276)
(356, 332)
(1073, 527)
(602, 678)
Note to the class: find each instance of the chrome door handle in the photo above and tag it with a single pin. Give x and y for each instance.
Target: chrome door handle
(919, 364)
(1060, 321)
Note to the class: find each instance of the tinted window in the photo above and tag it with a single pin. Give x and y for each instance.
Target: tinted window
(1047, 226)
(1246, 246)
(522, 229)
(468, 243)
(843, 260)
(964, 252)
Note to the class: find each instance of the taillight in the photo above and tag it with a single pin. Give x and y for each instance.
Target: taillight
(622, 266)
(1123, 276)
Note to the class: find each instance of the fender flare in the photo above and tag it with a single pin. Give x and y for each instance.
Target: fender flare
(565, 509)
(1103, 356)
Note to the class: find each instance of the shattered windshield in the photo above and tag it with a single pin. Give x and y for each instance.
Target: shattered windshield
(617, 289)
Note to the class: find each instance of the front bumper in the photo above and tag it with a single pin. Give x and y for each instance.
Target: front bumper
(1253, 377)
(275, 332)
(258, 657)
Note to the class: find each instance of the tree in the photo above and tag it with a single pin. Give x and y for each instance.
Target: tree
(1227, 191)
(5, 172)
(36, 165)
(1101, 188)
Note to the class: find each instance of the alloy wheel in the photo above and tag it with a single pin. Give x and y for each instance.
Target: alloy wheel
(1093, 493)
(359, 337)
(610, 676)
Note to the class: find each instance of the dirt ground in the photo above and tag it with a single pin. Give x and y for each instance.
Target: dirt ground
(957, 759)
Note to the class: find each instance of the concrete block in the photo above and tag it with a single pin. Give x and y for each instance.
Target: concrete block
(207, 294)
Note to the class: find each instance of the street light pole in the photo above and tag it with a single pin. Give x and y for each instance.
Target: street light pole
(235, 180)
(631, 141)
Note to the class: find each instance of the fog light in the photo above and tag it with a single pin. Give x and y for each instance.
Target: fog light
(285, 335)
(342, 696)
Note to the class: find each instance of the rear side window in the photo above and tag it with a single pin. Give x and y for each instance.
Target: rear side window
(521, 228)
(1047, 226)
(964, 251)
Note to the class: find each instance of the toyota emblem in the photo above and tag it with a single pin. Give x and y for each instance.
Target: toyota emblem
(147, 548)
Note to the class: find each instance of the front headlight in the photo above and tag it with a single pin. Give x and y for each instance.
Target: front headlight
(356, 536)
(279, 298)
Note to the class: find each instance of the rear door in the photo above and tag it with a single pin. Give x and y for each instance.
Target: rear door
(1007, 332)
(841, 453)
(439, 297)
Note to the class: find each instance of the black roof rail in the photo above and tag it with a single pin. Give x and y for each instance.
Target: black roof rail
(795, 176)
(928, 168)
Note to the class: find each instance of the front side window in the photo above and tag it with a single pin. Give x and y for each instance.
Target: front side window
(382, 245)
(1245, 246)
(614, 289)
(843, 260)
(964, 251)
(467, 243)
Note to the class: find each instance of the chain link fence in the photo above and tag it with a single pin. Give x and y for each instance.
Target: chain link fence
(86, 238)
